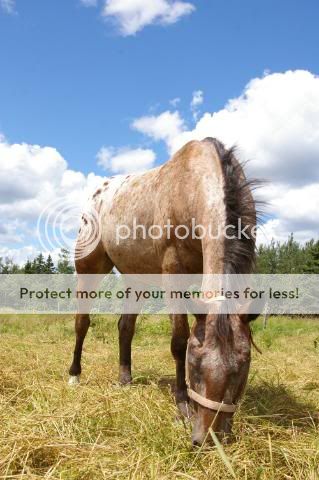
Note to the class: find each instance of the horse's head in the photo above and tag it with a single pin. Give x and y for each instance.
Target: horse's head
(218, 359)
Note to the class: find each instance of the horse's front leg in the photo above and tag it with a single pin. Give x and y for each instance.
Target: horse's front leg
(180, 335)
(126, 326)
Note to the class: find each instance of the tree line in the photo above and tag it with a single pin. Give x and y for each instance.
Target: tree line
(290, 257)
(40, 264)
(277, 257)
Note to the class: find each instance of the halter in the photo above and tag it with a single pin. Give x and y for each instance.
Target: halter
(203, 401)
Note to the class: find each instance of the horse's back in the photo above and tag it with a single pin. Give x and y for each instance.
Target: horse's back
(133, 206)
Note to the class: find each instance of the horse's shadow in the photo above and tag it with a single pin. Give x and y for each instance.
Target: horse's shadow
(274, 403)
(150, 376)
(277, 404)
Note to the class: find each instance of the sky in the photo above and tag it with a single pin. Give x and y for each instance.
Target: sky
(93, 88)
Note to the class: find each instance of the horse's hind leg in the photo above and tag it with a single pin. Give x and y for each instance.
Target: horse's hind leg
(82, 323)
(126, 326)
(97, 262)
(180, 335)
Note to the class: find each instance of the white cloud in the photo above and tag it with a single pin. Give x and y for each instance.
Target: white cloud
(8, 5)
(167, 126)
(131, 16)
(197, 100)
(175, 101)
(89, 3)
(125, 160)
(19, 255)
(11, 232)
(31, 178)
(275, 124)
(279, 230)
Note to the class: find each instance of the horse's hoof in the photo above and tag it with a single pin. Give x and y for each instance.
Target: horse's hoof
(125, 379)
(74, 380)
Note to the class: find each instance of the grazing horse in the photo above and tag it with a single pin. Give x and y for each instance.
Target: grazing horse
(202, 181)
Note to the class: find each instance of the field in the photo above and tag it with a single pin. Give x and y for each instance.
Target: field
(101, 430)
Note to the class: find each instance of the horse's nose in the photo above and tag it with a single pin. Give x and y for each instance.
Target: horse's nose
(196, 443)
(198, 439)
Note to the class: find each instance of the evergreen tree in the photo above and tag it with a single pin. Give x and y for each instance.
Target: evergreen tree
(312, 260)
(64, 263)
(49, 265)
(291, 257)
(28, 267)
(38, 264)
(268, 258)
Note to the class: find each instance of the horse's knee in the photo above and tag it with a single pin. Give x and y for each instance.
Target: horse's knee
(82, 323)
(126, 326)
(178, 347)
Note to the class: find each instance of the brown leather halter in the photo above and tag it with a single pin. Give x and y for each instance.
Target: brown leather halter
(203, 401)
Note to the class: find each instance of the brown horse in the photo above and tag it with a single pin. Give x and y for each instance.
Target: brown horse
(202, 181)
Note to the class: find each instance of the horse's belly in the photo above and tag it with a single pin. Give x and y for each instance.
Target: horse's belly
(133, 256)
(148, 255)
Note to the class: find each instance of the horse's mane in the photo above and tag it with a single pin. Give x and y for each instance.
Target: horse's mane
(239, 251)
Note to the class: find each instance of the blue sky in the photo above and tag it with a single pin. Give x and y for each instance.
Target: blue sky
(71, 80)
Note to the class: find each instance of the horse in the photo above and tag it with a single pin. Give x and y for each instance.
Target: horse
(203, 180)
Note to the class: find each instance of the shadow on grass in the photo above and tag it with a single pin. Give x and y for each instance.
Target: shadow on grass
(147, 377)
(275, 403)
(268, 401)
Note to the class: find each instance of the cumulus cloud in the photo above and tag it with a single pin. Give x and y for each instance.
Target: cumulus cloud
(19, 255)
(133, 15)
(125, 160)
(167, 126)
(7, 5)
(10, 232)
(31, 178)
(275, 124)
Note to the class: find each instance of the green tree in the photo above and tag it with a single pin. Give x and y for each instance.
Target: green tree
(38, 264)
(312, 258)
(49, 265)
(268, 258)
(27, 268)
(8, 266)
(64, 263)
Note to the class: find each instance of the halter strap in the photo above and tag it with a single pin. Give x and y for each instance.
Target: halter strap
(203, 401)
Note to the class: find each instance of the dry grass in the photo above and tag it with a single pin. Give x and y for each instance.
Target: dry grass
(100, 430)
